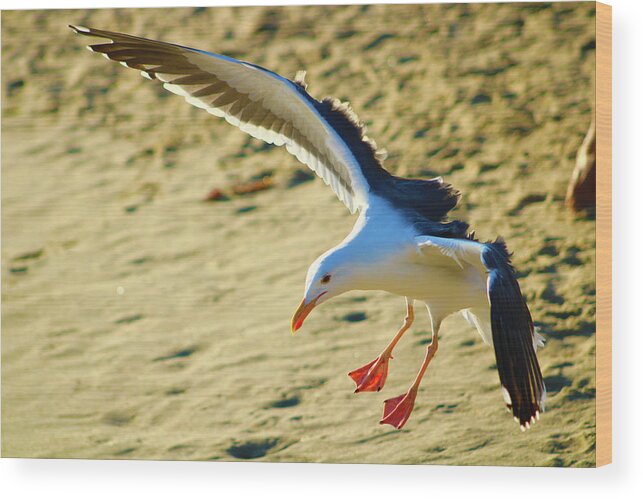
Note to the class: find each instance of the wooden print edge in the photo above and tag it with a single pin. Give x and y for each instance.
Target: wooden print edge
(603, 109)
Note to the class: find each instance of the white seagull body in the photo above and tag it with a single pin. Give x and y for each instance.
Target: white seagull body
(402, 241)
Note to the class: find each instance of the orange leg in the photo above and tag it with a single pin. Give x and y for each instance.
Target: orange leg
(372, 376)
(397, 410)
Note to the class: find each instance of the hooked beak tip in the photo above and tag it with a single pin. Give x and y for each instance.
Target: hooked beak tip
(297, 319)
(302, 312)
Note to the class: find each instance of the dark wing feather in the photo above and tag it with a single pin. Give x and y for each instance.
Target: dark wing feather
(425, 202)
(513, 336)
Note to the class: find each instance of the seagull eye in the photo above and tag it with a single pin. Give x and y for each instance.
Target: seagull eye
(325, 279)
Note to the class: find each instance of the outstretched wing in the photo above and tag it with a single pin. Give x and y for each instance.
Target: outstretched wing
(514, 338)
(324, 135)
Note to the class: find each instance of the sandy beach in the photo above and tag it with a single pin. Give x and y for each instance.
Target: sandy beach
(141, 322)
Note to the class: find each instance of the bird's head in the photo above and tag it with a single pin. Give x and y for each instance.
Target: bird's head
(330, 275)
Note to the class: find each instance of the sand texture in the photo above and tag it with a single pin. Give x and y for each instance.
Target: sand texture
(141, 322)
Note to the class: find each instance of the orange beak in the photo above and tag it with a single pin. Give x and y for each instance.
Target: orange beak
(302, 312)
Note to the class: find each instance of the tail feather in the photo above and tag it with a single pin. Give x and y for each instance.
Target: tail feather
(514, 338)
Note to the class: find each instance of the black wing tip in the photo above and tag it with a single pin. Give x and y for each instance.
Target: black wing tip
(526, 415)
(513, 338)
(527, 424)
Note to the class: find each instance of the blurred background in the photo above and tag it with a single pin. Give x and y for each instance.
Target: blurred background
(142, 320)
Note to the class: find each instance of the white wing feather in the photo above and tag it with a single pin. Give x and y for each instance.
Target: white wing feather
(259, 102)
(460, 251)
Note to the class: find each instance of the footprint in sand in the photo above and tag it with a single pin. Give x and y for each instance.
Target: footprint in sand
(118, 418)
(175, 390)
(526, 201)
(445, 408)
(559, 442)
(30, 255)
(354, 317)
(178, 354)
(129, 319)
(247, 209)
(550, 295)
(555, 384)
(253, 449)
(124, 452)
(285, 402)
(479, 445)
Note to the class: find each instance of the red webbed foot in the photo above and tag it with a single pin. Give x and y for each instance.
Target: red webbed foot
(372, 376)
(397, 410)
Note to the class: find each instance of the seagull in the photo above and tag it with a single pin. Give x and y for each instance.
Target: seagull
(402, 241)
